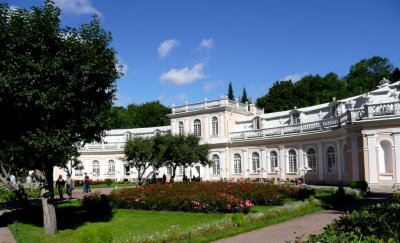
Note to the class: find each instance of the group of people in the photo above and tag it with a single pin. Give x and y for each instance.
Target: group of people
(69, 184)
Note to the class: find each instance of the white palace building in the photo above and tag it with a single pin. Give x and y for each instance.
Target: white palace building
(357, 138)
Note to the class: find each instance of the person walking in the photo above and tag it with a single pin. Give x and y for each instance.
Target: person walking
(70, 186)
(86, 185)
(60, 183)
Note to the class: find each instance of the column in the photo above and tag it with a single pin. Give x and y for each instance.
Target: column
(245, 163)
(320, 162)
(373, 170)
(301, 157)
(206, 119)
(227, 164)
(354, 157)
(263, 163)
(221, 124)
(397, 154)
(339, 159)
(282, 162)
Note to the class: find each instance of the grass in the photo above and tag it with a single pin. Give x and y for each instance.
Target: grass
(254, 226)
(76, 226)
(113, 184)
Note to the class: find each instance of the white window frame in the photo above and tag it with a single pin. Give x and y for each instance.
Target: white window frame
(111, 167)
(292, 161)
(331, 159)
(96, 168)
(181, 128)
(255, 162)
(214, 126)
(216, 165)
(237, 164)
(312, 160)
(273, 160)
(296, 118)
(197, 128)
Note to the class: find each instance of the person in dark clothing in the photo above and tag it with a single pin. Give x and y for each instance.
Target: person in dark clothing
(60, 183)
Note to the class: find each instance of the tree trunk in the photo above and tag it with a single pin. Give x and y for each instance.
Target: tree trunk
(49, 213)
(49, 210)
(172, 179)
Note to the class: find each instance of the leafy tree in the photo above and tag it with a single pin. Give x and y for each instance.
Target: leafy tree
(179, 150)
(56, 87)
(395, 75)
(244, 98)
(139, 153)
(366, 74)
(150, 114)
(120, 118)
(230, 91)
(280, 97)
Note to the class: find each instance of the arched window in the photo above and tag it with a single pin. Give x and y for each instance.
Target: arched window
(111, 167)
(237, 164)
(216, 164)
(292, 161)
(78, 169)
(385, 157)
(312, 160)
(214, 125)
(295, 118)
(331, 155)
(273, 160)
(255, 159)
(197, 127)
(96, 168)
(181, 129)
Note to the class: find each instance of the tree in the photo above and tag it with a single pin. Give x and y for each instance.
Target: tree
(230, 91)
(366, 74)
(280, 97)
(56, 87)
(244, 98)
(395, 75)
(139, 153)
(180, 150)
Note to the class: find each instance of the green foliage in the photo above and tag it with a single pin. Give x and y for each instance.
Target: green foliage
(238, 219)
(150, 114)
(280, 97)
(7, 195)
(244, 97)
(375, 223)
(362, 185)
(230, 91)
(366, 74)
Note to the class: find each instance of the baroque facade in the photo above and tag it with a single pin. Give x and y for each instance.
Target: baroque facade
(357, 138)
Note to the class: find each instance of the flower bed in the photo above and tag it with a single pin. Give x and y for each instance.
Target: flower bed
(202, 197)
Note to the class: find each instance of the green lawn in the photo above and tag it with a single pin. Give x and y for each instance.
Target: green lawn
(75, 226)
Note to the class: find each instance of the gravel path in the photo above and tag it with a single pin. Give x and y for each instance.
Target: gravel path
(303, 226)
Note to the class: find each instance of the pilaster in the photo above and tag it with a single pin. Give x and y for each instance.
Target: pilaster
(372, 167)
(354, 157)
(396, 137)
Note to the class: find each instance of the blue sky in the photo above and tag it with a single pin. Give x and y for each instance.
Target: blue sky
(186, 50)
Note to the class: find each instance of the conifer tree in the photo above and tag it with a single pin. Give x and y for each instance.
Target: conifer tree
(230, 91)
(244, 98)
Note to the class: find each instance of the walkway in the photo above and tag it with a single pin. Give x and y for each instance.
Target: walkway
(300, 228)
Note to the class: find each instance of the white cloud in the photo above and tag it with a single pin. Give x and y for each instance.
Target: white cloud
(212, 85)
(295, 77)
(77, 7)
(166, 47)
(171, 100)
(206, 44)
(183, 76)
(122, 65)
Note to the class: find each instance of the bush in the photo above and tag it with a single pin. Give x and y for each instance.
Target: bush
(97, 206)
(362, 185)
(203, 197)
(375, 223)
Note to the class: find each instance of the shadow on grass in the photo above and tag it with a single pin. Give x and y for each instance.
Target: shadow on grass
(70, 215)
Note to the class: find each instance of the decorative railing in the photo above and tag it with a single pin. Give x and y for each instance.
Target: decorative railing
(104, 146)
(291, 129)
(222, 102)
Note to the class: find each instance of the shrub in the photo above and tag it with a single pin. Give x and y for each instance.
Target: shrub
(97, 206)
(203, 197)
(362, 185)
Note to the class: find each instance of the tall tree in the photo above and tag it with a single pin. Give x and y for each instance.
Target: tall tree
(279, 97)
(395, 75)
(230, 91)
(366, 74)
(244, 97)
(56, 87)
